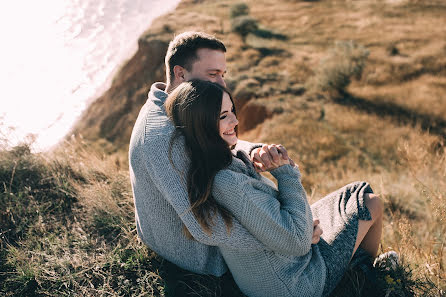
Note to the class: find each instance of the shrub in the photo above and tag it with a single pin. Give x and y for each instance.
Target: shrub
(268, 34)
(344, 62)
(239, 9)
(244, 25)
(31, 186)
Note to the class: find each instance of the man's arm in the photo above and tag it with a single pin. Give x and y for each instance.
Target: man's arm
(171, 182)
(246, 146)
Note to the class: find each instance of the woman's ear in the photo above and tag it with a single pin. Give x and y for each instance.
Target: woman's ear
(179, 72)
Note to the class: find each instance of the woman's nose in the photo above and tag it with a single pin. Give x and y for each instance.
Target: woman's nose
(235, 120)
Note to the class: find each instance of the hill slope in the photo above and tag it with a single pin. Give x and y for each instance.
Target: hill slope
(404, 77)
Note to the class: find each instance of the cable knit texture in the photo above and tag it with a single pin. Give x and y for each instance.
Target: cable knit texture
(282, 220)
(161, 199)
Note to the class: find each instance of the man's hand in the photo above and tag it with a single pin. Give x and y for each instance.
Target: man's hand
(264, 157)
(317, 232)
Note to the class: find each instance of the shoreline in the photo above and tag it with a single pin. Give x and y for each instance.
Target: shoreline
(130, 53)
(108, 84)
(53, 128)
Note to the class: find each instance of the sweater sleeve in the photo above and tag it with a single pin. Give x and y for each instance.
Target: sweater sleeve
(246, 146)
(171, 182)
(283, 224)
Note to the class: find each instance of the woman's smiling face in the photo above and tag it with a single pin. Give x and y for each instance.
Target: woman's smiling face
(228, 121)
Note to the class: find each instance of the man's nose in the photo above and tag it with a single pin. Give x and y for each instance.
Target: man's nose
(221, 81)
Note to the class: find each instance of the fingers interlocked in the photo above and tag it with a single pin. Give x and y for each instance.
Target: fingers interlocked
(269, 157)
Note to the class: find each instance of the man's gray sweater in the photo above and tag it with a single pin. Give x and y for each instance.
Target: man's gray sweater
(161, 199)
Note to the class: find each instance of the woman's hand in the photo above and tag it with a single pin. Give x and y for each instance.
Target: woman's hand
(269, 157)
(280, 161)
(317, 232)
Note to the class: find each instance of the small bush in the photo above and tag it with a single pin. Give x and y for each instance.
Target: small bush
(268, 34)
(345, 61)
(239, 9)
(244, 25)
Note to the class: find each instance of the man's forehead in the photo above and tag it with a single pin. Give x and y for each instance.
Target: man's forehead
(211, 58)
(209, 65)
(212, 69)
(209, 51)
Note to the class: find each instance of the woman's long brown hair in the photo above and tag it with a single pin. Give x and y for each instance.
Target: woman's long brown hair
(194, 107)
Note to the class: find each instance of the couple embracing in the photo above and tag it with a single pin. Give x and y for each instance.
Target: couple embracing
(202, 204)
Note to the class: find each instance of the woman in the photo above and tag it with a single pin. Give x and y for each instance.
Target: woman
(223, 184)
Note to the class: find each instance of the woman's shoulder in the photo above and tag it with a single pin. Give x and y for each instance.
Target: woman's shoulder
(236, 173)
(242, 163)
(235, 170)
(241, 177)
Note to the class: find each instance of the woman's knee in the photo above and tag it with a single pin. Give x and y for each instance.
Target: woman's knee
(374, 205)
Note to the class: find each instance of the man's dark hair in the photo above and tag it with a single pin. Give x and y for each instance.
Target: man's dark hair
(183, 48)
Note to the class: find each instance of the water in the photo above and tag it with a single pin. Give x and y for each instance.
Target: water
(56, 55)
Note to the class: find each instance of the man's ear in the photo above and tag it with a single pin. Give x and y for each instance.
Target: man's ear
(179, 72)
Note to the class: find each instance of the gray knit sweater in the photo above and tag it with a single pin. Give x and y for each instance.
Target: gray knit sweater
(161, 199)
(280, 219)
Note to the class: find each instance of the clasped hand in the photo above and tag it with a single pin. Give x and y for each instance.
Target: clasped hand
(269, 157)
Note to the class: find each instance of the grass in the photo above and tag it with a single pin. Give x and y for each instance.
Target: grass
(67, 228)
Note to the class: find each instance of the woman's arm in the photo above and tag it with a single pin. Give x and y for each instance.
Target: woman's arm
(283, 224)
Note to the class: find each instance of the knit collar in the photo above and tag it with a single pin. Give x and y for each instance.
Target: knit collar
(157, 90)
(242, 163)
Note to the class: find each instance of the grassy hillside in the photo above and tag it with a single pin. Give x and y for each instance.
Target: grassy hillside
(67, 229)
(354, 90)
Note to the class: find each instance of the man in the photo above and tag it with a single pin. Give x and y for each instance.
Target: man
(159, 190)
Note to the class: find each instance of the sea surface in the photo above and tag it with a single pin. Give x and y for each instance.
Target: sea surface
(58, 55)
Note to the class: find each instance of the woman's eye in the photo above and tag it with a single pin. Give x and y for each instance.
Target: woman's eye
(222, 117)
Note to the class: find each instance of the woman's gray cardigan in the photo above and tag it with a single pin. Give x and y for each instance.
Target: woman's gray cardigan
(278, 219)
